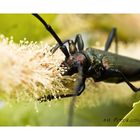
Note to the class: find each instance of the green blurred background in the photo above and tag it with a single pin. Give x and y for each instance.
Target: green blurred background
(101, 104)
(67, 25)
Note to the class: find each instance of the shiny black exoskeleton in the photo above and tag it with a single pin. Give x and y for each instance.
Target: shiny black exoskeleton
(100, 65)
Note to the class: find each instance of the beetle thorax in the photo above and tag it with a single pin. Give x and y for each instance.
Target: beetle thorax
(77, 58)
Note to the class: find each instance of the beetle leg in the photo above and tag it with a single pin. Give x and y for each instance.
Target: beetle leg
(135, 89)
(57, 46)
(64, 48)
(111, 36)
(79, 88)
(79, 41)
(57, 96)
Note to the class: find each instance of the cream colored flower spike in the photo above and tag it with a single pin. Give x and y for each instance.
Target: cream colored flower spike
(29, 69)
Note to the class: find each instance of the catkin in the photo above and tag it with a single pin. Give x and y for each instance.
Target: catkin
(28, 69)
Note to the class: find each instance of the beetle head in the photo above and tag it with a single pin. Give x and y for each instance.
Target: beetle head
(71, 63)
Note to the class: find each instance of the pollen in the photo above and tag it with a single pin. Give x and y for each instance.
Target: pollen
(28, 69)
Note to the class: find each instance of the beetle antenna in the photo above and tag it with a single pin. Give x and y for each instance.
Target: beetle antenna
(50, 29)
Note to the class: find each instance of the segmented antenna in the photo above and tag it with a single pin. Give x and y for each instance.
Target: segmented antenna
(52, 32)
(49, 28)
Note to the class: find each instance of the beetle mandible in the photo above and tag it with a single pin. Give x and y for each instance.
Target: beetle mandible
(95, 63)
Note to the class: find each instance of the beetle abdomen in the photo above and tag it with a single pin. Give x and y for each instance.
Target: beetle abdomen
(128, 66)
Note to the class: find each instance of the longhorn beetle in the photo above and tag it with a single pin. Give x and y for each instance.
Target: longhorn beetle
(98, 64)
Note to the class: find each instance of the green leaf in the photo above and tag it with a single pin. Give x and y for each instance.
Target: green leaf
(133, 117)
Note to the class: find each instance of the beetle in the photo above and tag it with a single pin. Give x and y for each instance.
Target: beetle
(101, 65)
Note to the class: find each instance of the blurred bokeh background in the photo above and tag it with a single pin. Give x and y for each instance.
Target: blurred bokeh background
(101, 104)
(67, 25)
